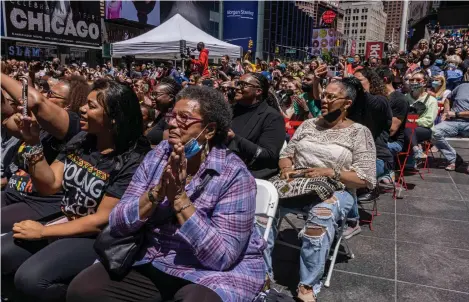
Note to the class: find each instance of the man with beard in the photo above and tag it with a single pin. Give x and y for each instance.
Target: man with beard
(308, 104)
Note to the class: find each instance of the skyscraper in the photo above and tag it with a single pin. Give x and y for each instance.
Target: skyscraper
(364, 21)
(394, 10)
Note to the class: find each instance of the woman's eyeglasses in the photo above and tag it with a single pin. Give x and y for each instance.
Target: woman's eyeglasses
(416, 80)
(242, 85)
(330, 98)
(51, 94)
(182, 121)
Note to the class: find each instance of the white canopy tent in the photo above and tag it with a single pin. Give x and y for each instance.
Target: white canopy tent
(163, 42)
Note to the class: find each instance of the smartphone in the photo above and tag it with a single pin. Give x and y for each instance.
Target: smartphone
(24, 96)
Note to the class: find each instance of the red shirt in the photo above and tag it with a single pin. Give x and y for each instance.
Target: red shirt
(202, 63)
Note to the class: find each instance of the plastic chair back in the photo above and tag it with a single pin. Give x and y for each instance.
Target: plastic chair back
(266, 203)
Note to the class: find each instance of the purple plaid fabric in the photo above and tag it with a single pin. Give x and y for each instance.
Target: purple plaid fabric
(218, 246)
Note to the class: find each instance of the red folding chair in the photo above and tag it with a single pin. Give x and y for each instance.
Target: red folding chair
(401, 183)
(291, 127)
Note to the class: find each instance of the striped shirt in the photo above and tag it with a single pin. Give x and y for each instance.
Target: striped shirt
(217, 246)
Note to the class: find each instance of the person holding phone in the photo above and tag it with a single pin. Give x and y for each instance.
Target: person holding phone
(93, 170)
(335, 146)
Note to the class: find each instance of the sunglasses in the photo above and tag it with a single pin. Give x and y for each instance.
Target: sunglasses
(242, 85)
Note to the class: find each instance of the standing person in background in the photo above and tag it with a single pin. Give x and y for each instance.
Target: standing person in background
(202, 62)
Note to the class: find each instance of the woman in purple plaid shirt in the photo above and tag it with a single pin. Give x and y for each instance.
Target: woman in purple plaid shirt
(197, 203)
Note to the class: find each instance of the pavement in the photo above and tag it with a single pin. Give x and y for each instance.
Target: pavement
(418, 250)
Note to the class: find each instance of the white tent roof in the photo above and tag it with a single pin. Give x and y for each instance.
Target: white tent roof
(162, 42)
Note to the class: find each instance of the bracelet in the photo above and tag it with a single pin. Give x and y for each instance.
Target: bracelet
(184, 207)
(337, 173)
(33, 154)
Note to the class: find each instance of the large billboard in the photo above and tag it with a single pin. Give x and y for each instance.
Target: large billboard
(326, 40)
(146, 12)
(55, 22)
(240, 24)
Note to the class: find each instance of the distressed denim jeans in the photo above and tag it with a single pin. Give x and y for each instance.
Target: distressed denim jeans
(314, 249)
(449, 129)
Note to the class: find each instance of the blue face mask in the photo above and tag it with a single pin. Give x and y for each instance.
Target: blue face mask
(436, 84)
(439, 62)
(192, 147)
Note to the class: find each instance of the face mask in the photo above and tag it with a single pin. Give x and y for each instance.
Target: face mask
(436, 84)
(415, 86)
(426, 62)
(350, 60)
(439, 62)
(332, 116)
(192, 147)
(306, 87)
(451, 66)
(289, 92)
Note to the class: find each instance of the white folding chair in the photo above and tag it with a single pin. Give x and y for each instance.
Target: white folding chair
(266, 203)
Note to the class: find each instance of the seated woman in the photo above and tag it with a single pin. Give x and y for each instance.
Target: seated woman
(21, 199)
(425, 122)
(94, 170)
(438, 89)
(196, 201)
(337, 147)
(258, 130)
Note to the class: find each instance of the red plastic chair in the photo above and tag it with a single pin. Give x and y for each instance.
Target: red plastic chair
(401, 183)
(291, 127)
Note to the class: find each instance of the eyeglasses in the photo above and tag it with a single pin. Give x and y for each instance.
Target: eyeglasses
(416, 80)
(182, 121)
(51, 94)
(242, 85)
(330, 98)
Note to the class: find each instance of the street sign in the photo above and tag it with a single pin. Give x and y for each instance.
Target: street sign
(290, 51)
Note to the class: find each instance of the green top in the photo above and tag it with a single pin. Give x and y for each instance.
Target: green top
(315, 111)
(428, 117)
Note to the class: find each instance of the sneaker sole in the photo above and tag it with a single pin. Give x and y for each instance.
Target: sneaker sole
(355, 232)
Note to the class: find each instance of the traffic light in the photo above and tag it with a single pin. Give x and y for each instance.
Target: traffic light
(250, 44)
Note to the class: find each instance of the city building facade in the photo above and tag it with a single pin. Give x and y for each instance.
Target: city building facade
(394, 11)
(364, 22)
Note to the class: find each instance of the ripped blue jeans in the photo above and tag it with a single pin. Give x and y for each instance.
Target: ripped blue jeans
(314, 249)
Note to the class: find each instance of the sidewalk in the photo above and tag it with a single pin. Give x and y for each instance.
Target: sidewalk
(418, 251)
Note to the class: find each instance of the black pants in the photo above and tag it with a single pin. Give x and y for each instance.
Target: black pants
(143, 283)
(15, 212)
(43, 270)
(420, 134)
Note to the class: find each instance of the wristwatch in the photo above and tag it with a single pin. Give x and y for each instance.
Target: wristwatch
(456, 114)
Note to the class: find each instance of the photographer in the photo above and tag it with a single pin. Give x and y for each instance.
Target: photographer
(202, 62)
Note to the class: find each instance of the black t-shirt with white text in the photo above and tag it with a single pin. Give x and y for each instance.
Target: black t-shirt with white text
(20, 187)
(88, 175)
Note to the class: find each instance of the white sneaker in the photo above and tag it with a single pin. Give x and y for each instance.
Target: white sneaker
(352, 231)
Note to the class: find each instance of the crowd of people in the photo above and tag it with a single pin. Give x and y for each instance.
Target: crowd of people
(173, 155)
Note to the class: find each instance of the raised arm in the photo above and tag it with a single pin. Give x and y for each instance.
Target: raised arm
(51, 117)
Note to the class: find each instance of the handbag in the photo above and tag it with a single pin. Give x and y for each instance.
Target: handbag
(322, 186)
(117, 254)
(419, 108)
